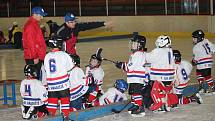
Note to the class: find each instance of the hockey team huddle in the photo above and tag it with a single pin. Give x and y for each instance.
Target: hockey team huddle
(157, 80)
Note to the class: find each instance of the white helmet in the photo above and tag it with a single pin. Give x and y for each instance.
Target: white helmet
(163, 41)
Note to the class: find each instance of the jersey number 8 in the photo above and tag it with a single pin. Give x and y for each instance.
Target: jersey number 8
(184, 74)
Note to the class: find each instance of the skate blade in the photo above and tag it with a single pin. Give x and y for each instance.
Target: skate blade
(139, 115)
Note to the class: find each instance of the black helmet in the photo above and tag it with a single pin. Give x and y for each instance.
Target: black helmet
(139, 39)
(199, 34)
(56, 43)
(76, 59)
(30, 70)
(177, 56)
(95, 57)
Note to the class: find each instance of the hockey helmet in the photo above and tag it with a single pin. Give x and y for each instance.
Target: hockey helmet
(139, 39)
(177, 56)
(30, 70)
(121, 85)
(199, 34)
(56, 43)
(95, 57)
(76, 59)
(163, 41)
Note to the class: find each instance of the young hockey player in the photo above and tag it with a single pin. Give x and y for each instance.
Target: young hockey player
(113, 94)
(202, 59)
(57, 65)
(95, 71)
(183, 70)
(136, 74)
(78, 85)
(33, 101)
(162, 71)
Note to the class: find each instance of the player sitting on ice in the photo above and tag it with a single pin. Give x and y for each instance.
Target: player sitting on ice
(113, 94)
(202, 59)
(57, 66)
(136, 74)
(183, 70)
(95, 72)
(162, 73)
(34, 95)
(79, 85)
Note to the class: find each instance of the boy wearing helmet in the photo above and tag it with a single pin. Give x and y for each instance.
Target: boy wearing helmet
(113, 94)
(95, 71)
(136, 75)
(78, 85)
(202, 59)
(33, 101)
(183, 70)
(57, 66)
(162, 70)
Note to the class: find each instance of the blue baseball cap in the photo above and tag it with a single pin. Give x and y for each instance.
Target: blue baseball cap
(39, 10)
(69, 17)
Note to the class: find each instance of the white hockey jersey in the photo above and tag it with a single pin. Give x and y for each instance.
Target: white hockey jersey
(33, 93)
(57, 65)
(78, 83)
(183, 71)
(202, 54)
(97, 73)
(135, 69)
(162, 64)
(112, 96)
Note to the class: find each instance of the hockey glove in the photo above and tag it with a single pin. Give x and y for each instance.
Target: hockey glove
(119, 64)
(194, 63)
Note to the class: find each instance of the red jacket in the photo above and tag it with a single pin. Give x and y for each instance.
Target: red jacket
(33, 41)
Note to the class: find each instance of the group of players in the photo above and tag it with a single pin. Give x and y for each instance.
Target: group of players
(160, 75)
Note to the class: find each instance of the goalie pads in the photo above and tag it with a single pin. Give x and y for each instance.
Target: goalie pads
(190, 91)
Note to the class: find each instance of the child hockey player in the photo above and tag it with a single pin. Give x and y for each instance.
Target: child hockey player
(136, 74)
(202, 59)
(95, 71)
(113, 94)
(183, 70)
(57, 65)
(78, 85)
(33, 101)
(162, 70)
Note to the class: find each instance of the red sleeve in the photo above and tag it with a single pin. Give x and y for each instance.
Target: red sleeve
(41, 50)
(28, 43)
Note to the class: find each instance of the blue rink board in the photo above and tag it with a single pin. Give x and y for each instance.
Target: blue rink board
(92, 113)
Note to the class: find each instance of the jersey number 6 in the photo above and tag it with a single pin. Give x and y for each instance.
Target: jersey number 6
(52, 65)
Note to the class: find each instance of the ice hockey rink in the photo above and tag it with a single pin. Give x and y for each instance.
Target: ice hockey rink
(12, 64)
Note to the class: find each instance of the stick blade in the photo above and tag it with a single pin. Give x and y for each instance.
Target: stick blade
(98, 53)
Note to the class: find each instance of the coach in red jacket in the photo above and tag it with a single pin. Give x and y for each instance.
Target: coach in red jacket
(33, 42)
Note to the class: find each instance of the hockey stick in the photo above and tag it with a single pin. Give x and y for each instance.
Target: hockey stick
(109, 60)
(98, 53)
(118, 111)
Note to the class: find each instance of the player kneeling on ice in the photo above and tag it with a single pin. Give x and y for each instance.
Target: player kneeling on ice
(96, 73)
(79, 85)
(34, 95)
(162, 73)
(136, 76)
(183, 70)
(113, 94)
(202, 59)
(57, 65)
